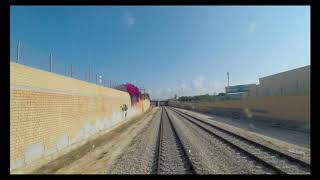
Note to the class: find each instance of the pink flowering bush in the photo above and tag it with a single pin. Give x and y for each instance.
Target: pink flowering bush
(133, 91)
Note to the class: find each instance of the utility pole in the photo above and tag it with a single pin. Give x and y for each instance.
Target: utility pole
(18, 52)
(89, 75)
(228, 78)
(50, 62)
(71, 71)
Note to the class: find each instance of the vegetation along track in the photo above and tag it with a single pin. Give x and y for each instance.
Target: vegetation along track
(277, 161)
(172, 157)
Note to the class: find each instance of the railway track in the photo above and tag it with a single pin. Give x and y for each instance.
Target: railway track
(276, 161)
(172, 158)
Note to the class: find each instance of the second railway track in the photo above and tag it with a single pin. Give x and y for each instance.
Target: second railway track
(276, 161)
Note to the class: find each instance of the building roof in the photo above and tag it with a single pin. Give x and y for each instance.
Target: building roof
(307, 68)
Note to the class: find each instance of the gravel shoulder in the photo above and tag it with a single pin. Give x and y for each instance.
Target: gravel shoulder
(139, 155)
(97, 156)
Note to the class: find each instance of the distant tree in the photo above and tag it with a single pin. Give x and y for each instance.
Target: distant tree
(204, 98)
(175, 96)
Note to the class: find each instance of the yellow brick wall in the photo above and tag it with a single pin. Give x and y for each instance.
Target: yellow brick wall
(45, 106)
(294, 107)
(21, 75)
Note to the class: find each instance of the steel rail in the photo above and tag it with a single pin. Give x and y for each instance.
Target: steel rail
(159, 143)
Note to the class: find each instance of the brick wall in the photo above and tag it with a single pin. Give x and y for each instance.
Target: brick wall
(293, 110)
(50, 113)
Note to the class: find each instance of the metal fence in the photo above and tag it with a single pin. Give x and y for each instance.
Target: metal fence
(26, 55)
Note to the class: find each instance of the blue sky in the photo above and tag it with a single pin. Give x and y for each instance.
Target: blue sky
(167, 49)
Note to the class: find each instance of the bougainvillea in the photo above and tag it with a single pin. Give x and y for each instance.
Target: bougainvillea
(134, 91)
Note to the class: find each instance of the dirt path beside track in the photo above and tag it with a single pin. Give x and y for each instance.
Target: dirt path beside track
(96, 156)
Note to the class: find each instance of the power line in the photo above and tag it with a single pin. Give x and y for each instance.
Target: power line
(228, 78)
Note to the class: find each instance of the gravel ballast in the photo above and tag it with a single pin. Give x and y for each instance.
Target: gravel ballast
(211, 156)
(270, 157)
(172, 158)
(183, 148)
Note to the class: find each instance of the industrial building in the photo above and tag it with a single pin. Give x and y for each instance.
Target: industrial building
(292, 82)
